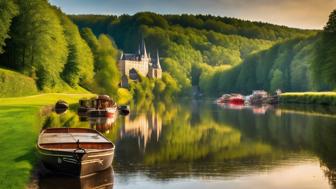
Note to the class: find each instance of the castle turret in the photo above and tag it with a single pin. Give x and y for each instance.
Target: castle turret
(144, 50)
(158, 60)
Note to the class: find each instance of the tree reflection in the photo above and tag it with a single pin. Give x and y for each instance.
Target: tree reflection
(198, 135)
(168, 140)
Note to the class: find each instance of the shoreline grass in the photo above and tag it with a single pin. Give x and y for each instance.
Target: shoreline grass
(322, 98)
(20, 123)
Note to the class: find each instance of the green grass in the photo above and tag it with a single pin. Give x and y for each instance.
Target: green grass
(20, 123)
(324, 98)
(16, 84)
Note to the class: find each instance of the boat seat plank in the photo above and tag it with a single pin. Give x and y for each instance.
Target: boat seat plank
(49, 138)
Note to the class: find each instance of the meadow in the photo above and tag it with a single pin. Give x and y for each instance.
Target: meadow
(20, 122)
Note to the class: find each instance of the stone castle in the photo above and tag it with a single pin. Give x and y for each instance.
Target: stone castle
(132, 64)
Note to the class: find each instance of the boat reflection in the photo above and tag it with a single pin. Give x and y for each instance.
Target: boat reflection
(101, 180)
(204, 140)
(261, 109)
(102, 124)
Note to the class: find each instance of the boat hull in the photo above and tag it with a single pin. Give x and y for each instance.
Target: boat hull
(237, 101)
(70, 163)
(103, 113)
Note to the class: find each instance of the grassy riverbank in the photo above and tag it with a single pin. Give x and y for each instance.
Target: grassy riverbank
(20, 123)
(323, 98)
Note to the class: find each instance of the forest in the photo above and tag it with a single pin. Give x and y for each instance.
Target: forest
(197, 49)
(215, 54)
(219, 55)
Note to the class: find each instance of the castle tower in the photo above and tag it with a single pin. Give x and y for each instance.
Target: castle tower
(144, 51)
(158, 60)
(141, 63)
(155, 70)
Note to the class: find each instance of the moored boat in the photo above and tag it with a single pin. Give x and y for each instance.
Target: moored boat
(103, 106)
(61, 107)
(224, 99)
(75, 151)
(258, 97)
(237, 100)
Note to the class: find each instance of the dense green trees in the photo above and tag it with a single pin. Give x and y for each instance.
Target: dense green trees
(191, 43)
(8, 9)
(325, 61)
(37, 46)
(107, 74)
(79, 65)
(285, 66)
(105, 52)
(214, 53)
(40, 41)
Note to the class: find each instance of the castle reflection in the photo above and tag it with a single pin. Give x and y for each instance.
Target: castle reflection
(143, 126)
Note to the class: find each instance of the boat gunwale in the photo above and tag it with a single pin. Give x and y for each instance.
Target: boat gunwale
(83, 129)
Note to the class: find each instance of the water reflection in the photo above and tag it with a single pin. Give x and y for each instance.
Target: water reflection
(142, 126)
(102, 124)
(101, 180)
(186, 142)
(206, 140)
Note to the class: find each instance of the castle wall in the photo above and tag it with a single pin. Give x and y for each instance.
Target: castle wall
(141, 66)
(155, 73)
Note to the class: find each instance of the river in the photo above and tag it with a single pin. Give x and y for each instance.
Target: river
(198, 144)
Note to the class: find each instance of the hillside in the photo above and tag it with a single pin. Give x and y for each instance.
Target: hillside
(191, 44)
(216, 54)
(15, 84)
(42, 43)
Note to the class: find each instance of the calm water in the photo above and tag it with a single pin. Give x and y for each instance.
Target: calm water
(198, 145)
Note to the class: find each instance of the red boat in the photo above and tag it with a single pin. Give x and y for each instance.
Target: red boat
(237, 100)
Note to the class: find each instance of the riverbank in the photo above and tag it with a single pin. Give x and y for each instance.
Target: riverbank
(322, 98)
(20, 120)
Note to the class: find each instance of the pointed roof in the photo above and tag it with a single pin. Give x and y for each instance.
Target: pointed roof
(144, 51)
(157, 62)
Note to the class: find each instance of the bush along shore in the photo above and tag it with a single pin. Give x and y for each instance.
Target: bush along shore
(322, 98)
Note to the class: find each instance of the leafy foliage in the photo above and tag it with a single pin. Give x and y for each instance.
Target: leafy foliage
(325, 62)
(286, 66)
(188, 42)
(8, 9)
(37, 46)
(79, 66)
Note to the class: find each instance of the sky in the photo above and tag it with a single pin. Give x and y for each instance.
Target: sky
(308, 14)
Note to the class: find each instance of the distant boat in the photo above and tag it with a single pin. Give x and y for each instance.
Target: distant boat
(236, 100)
(103, 106)
(223, 99)
(61, 107)
(258, 97)
(75, 151)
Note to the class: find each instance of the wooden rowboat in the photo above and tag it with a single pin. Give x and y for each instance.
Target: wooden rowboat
(75, 151)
